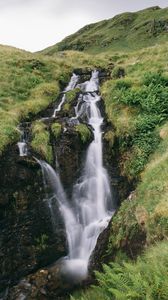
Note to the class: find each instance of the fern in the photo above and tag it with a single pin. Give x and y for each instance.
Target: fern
(144, 280)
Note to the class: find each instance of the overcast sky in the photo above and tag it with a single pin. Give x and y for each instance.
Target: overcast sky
(36, 24)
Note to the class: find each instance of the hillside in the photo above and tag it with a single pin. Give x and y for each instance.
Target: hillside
(125, 32)
(29, 83)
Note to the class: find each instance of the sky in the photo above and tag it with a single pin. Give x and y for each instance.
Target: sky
(36, 24)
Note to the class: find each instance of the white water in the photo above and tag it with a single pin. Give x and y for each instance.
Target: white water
(22, 145)
(22, 148)
(70, 86)
(91, 205)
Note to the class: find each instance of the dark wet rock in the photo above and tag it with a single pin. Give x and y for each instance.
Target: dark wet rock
(71, 152)
(47, 283)
(28, 240)
(98, 256)
(24, 220)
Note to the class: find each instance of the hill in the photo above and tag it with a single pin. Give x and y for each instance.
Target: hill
(124, 32)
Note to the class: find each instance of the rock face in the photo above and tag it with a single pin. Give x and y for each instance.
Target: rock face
(27, 239)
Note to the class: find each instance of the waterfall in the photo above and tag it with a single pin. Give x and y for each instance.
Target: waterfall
(91, 207)
(22, 144)
(70, 86)
(55, 193)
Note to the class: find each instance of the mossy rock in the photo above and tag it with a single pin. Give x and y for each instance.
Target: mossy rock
(84, 132)
(71, 95)
(66, 107)
(41, 140)
(56, 129)
(110, 137)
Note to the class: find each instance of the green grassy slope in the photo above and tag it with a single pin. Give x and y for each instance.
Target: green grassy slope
(125, 32)
(30, 82)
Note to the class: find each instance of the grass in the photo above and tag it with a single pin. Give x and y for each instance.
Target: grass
(125, 32)
(137, 104)
(30, 82)
(148, 210)
(56, 129)
(41, 141)
(84, 132)
(28, 85)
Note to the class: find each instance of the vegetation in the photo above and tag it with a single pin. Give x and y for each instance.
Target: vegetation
(145, 279)
(30, 82)
(41, 140)
(41, 242)
(137, 105)
(84, 132)
(56, 129)
(71, 95)
(110, 137)
(125, 32)
(147, 211)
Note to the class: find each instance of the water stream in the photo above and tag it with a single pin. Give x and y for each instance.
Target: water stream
(89, 211)
(22, 144)
(72, 84)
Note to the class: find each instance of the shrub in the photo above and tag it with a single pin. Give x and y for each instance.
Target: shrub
(147, 104)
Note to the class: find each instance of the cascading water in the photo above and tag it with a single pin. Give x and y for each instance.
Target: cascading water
(22, 144)
(91, 196)
(54, 191)
(91, 205)
(70, 86)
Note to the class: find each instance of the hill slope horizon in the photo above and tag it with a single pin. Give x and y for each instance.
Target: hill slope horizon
(127, 31)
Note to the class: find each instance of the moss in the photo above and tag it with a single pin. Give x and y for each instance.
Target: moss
(41, 243)
(84, 132)
(71, 95)
(66, 107)
(110, 137)
(56, 129)
(41, 141)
